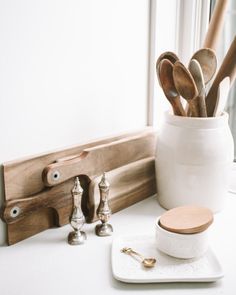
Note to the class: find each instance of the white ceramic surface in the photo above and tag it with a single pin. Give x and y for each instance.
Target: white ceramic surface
(232, 185)
(181, 245)
(193, 161)
(168, 269)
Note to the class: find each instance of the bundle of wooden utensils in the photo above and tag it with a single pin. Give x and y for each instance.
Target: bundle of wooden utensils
(191, 82)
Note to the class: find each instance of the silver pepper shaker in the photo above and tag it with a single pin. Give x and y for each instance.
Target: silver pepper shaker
(103, 211)
(77, 219)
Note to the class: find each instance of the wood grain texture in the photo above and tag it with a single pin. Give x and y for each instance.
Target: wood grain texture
(186, 87)
(187, 219)
(227, 69)
(196, 72)
(44, 207)
(206, 57)
(216, 25)
(128, 185)
(166, 80)
(96, 160)
(23, 177)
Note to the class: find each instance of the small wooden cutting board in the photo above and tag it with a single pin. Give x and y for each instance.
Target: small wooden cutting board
(187, 219)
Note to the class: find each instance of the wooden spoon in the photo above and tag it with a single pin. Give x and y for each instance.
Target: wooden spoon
(168, 86)
(171, 56)
(196, 71)
(227, 69)
(208, 62)
(186, 86)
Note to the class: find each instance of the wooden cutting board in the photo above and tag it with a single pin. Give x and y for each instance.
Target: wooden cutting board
(41, 201)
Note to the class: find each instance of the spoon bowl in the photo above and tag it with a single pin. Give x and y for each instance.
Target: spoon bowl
(186, 86)
(208, 62)
(149, 262)
(168, 86)
(171, 56)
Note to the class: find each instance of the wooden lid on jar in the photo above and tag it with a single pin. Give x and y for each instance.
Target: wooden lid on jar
(187, 219)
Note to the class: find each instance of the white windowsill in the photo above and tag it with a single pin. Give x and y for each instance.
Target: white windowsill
(46, 264)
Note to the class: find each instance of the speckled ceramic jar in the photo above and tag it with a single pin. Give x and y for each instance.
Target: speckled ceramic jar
(181, 245)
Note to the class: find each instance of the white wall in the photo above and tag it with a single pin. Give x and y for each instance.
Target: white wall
(70, 70)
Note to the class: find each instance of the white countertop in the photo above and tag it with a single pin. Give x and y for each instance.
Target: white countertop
(46, 264)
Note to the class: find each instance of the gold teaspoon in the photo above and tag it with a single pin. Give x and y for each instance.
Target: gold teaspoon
(146, 262)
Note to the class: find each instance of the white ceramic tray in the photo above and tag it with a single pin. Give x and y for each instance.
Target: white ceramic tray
(168, 269)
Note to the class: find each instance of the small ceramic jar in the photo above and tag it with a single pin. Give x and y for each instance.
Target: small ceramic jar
(184, 244)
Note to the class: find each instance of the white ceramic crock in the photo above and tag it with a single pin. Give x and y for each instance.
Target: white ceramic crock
(193, 160)
(181, 245)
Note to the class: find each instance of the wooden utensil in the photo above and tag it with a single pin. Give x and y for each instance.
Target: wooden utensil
(168, 86)
(171, 56)
(186, 86)
(227, 69)
(216, 25)
(208, 62)
(196, 71)
(187, 219)
(222, 96)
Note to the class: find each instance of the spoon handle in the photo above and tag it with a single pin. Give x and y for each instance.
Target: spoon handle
(216, 25)
(193, 107)
(188, 110)
(202, 104)
(178, 107)
(137, 254)
(227, 69)
(133, 253)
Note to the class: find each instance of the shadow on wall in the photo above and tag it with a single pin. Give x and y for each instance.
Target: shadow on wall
(2, 224)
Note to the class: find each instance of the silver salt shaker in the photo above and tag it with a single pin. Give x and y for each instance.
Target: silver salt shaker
(77, 219)
(104, 211)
